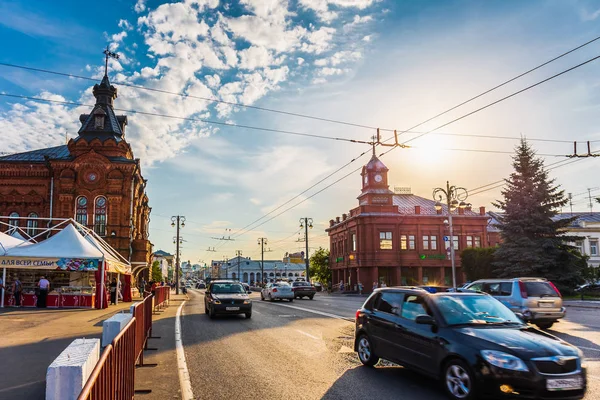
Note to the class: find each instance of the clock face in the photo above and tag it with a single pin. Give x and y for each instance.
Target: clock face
(378, 178)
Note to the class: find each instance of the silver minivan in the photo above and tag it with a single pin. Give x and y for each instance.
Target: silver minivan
(537, 299)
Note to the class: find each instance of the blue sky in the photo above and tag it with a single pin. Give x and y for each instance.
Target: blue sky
(381, 63)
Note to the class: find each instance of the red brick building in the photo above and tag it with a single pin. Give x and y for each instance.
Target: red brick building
(93, 179)
(399, 238)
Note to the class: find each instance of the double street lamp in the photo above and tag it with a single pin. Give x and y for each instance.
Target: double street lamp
(454, 198)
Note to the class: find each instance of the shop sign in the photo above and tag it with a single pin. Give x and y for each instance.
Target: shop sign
(339, 259)
(63, 264)
(432, 256)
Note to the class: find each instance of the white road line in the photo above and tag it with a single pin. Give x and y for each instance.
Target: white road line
(588, 348)
(184, 375)
(308, 334)
(316, 312)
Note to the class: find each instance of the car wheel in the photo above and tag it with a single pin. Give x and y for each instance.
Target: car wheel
(248, 315)
(291, 300)
(311, 296)
(262, 297)
(205, 309)
(366, 355)
(545, 325)
(271, 298)
(211, 313)
(458, 380)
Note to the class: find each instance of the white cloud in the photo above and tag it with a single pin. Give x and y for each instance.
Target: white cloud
(590, 16)
(118, 37)
(327, 71)
(140, 6)
(257, 57)
(323, 8)
(367, 38)
(125, 25)
(340, 57)
(300, 60)
(357, 21)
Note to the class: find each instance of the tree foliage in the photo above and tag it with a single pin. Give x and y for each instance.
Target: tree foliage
(477, 263)
(156, 272)
(532, 240)
(319, 266)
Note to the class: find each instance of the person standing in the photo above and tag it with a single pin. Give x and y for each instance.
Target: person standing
(17, 289)
(44, 286)
(113, 291)
(360, 287)
(374, 285)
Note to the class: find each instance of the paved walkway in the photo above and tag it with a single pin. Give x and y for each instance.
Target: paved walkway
(32, 338)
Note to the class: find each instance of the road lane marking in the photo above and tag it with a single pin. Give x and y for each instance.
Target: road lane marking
(308, 334)
(316, 312)
(588, 348)
(184, 375)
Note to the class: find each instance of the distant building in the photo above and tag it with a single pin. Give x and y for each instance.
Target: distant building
(250, 270)
(586, 227)
(165, 261)
(399, 238)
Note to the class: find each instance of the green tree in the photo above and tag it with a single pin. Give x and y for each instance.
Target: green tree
(156, 272)
(532, 240)
(319, 266)
(477, 263)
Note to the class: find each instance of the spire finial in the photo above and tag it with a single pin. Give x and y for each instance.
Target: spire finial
(108, 54)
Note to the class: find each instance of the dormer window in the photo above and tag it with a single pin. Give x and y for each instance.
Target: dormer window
(99, 122)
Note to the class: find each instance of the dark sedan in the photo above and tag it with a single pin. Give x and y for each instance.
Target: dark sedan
(226, 297)
(474, 344)
(303, 289)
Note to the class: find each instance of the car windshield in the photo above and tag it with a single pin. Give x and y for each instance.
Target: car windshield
(474, 310)
(300, 284)
(227, 288)
(281, 284)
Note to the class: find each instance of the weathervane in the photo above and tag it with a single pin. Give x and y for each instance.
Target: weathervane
(108, 54)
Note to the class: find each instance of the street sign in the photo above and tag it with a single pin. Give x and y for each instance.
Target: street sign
(446, 238)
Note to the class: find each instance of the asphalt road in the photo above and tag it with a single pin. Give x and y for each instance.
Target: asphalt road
(303, 350)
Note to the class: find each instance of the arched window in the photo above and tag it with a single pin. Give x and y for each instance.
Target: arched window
(100, 215)
(271, 274)
(81, 214)
(290, 274)
(251, 276)
(13, 219)
(258, 277)
(32, 224)
(296, 274)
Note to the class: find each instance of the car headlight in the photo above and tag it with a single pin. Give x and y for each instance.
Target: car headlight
(504, 360)
(215, 301)
(247, 301)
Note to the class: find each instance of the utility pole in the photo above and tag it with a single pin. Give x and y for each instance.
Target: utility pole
(225, 262)
(179, 221)
(591, 204)
(571, 202)
(262, 242)
(238, 253)
(306, 223)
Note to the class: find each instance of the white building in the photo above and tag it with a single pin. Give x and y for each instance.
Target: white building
(587, 228)
(250, 270)
(165, 261)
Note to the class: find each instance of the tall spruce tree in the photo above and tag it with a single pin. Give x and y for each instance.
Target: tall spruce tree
(533, 243)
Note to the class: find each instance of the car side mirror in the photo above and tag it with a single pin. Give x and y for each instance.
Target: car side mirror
(521, 316)
(425, 320)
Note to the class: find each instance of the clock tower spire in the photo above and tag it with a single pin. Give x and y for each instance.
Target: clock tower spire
(375, 188)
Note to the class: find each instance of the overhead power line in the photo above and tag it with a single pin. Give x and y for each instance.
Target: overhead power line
(192, 119)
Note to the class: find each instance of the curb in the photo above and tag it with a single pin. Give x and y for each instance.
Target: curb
(583, 306)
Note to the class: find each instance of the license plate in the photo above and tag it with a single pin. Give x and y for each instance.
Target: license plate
(546, 305)
(232, 308)
(564, 384)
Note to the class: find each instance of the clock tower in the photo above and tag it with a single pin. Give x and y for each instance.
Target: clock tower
(375, 188)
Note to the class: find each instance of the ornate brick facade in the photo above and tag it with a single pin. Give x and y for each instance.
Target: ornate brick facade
(93, 179)
(399, 239)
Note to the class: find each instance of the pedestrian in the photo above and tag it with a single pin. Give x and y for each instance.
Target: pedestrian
(360, 287)
(113, 291)
(374, 285)
(341, 286)
(44, 286)
(383, 284)
(17, 288)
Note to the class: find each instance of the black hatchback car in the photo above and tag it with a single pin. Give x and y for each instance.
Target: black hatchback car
(474, 344)
(227, 297)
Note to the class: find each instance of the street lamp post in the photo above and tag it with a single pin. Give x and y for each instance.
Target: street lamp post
(262, 242)
(306, 223)
(179, 221)
(455, 198)
(238, 253)
(225, 261)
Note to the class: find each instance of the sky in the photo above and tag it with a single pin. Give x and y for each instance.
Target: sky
(375, 63)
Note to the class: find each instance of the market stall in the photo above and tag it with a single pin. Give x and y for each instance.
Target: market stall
(74, 260)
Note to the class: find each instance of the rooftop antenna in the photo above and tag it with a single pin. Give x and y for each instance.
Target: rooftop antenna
(108, 54)
(590, 197)
(571, 202)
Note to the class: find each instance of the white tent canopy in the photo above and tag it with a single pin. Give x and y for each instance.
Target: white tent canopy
(67, 243)
(8, 241)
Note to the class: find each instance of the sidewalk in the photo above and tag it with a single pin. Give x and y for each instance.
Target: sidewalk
(32, 338)
(162, 379)
(582, 303)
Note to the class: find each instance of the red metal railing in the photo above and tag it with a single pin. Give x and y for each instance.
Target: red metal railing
(161, 296)
(113, 378)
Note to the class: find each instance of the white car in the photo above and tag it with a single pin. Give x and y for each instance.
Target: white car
(277, 291)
